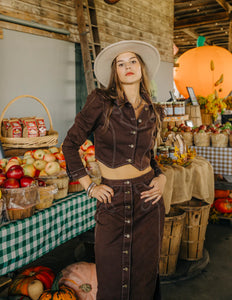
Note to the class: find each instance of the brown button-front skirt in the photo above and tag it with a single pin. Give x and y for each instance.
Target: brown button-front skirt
(128, 238)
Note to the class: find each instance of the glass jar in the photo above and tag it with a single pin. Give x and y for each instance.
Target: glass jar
(177, 109)
(164, 152)
(171, 153)
(169, 109)
(164, 106)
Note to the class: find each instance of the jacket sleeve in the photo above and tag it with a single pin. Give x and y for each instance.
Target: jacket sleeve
(86, 122)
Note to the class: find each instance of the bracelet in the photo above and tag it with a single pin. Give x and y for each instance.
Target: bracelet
(90, 187)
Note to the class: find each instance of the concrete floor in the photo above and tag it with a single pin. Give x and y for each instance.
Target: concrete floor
(213, 283)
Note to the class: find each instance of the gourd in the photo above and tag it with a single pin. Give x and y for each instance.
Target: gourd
(82, 278)
(32, 281)
(221, 193)
(57, 292)
(223, 205)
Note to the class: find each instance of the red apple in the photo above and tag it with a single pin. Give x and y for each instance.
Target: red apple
(89, 157)
(41, 182)
(11, 183)
(2, 178)
(15, 171)
(86, 144)
(52, 168)
(37, 172)
(39, 164)
(29, 170)
(60, 156)
(39, 154)
(62, 164)
(48, 157)
(26, 181)
(90, 150)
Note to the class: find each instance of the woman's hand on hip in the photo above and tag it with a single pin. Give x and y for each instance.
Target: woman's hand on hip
(157, 188)
(103, 193)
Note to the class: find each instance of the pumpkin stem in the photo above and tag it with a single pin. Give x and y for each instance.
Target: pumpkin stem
(55, 285)
(85, 287)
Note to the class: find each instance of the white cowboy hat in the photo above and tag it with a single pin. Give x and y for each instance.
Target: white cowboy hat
(103, 62)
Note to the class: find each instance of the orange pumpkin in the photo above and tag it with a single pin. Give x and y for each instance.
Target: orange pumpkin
(22, 281)
(195, 70)
(221, 193)
(59, 292)
(82, 278)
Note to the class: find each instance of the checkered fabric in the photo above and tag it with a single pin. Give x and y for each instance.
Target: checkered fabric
(220, 158)
(23, 241)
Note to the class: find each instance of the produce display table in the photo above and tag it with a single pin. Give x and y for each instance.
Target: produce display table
(23, 241)
(183, 183)
(220, 158)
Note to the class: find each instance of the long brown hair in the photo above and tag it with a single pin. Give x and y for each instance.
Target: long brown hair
(115, 90)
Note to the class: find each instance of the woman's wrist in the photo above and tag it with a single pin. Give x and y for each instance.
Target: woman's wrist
(90, 189)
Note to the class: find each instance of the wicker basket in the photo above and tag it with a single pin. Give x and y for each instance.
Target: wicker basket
(51, 139)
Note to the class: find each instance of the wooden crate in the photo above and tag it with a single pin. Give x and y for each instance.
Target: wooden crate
(193, 237)
(173, 228)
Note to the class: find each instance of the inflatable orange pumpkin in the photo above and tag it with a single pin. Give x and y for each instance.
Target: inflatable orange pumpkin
(205, 69)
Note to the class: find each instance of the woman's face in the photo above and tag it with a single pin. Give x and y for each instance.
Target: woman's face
(128, 68)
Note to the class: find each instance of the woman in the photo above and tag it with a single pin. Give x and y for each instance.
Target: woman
(130, 209)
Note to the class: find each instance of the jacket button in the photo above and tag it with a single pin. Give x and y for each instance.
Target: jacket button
(124, 286)
(146, 108)
(131, 145)
(127, 192)
(139, 121)
(127, 236)
(125, 269)
(133, 132)
(127, 182)
(125, 252)
(129, 160)
(127, 221)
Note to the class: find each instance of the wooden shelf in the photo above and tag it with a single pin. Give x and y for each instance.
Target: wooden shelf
(176, 118)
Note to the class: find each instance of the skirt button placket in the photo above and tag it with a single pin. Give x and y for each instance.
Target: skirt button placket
(126, 253)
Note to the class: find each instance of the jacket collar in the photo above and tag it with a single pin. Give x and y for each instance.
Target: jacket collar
(121, 102)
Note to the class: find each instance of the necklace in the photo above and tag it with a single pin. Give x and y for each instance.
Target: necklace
(140, 103)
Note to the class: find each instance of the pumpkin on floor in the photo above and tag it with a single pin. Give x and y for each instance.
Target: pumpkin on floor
(223, 205)
(32, 281)
(57, 292)
(81, 277)
(221, 193)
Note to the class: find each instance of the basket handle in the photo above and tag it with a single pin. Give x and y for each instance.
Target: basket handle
(26, 96)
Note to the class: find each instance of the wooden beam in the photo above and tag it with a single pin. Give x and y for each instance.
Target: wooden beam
(198, 21)
(230, 37)
(83, 33)
(225, 5)
(193, 34)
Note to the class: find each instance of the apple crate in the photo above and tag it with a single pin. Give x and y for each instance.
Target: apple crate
(61, 182)
(20, 202)
(9, 143)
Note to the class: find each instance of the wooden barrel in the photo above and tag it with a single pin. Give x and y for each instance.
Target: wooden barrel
(173, 227)
(193, 237)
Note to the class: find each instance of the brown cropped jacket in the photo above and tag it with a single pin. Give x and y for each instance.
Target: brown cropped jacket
(124, 140)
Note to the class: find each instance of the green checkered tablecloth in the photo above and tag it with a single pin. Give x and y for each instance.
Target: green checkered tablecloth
(23, 241)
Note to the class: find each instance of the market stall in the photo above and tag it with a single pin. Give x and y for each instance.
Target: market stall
(23, 241)
(183, 183)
